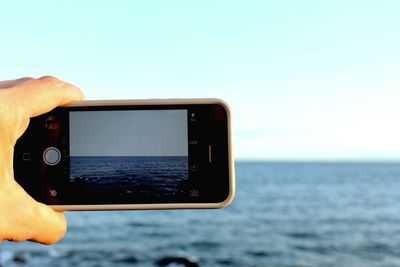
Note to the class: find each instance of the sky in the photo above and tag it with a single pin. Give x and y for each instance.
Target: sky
(128, 133)
(306, 80)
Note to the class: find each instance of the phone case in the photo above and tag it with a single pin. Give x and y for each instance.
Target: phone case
(222, 204)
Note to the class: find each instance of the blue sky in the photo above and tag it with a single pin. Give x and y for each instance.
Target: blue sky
(307, 80)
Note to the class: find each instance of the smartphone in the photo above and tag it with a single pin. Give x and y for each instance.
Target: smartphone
(129, 154)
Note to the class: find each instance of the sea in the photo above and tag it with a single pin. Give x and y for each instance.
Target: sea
(122, 179)
(284, 214)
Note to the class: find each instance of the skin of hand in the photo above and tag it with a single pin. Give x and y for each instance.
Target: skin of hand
(21, 217)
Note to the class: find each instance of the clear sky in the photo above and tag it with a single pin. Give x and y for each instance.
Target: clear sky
(305, 79)
(129, 133)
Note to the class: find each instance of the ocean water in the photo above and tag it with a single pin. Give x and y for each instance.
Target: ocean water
(284, 214)
(124, 178)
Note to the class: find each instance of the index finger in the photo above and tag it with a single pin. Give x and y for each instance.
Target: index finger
(9, 83)
(38, 96)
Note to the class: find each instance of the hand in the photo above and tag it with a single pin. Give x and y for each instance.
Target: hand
(21, 217)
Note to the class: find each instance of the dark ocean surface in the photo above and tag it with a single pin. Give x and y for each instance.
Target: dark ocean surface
(284, 214)
(130, 177)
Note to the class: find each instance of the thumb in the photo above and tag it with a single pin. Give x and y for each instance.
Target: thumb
(50, 226)
(28, 219)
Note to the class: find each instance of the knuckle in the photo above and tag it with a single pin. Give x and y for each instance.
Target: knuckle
(24, 79)
(49, 79)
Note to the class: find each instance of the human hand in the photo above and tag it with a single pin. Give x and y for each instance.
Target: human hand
(21, 217)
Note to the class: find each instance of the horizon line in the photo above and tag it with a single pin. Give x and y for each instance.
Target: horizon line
(255, 160)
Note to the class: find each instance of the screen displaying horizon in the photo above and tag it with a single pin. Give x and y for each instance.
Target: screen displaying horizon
(123, 155)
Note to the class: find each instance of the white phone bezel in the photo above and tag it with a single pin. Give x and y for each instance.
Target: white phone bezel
(226, 202)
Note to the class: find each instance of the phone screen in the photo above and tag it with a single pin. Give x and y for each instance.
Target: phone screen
(140, 152)
(125, 155)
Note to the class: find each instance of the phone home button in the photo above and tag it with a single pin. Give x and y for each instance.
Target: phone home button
(51, 156)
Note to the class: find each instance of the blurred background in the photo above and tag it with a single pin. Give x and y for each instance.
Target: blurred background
(314, 88)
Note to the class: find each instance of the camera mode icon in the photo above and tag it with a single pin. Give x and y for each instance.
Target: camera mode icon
(194, 193)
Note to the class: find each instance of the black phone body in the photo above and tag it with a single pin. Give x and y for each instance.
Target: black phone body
(129, 154)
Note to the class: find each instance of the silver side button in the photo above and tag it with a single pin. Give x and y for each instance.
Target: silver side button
(209, 154)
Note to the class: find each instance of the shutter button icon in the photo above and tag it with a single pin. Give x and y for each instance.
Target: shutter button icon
(51, 156)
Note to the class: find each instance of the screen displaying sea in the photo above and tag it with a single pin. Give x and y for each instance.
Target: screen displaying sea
(129, 178)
